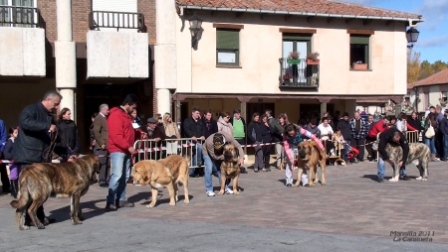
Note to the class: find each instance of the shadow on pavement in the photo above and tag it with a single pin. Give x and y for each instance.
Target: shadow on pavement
(63, 214)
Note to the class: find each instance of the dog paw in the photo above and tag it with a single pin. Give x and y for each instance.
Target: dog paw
(186, 201)
(296, 185)
(172, 203)
(221, 192)
(40, 226)
(24, 227)
(419, 178)
(425, 179)
(236, 192)
(150, 206)
(76, 222)
(393, 179)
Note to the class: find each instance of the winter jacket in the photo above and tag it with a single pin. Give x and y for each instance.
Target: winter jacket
(3, 136)
(363, 130)
(386, 138)
(210, 127)
(444, 126)
(193, 128)
(224, 126)
(253, 132)
(345, 128)
(121, 133)
(9, 148)
(100, 130)
(68, 137)
(315, 131)
(266, 132)
(277, 134)
(376, 128)
(33, 139)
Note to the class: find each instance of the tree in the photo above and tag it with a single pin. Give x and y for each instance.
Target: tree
(413, 67)
(426, 69)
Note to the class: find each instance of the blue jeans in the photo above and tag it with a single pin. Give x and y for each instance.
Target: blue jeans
(346, 150)
(121, 169)
(445, 145)
(430, 142)
(382, 169)
(196, 157)
(210, 166)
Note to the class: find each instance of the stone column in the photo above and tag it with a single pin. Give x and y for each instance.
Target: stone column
(323, 105)
(243, 108)
(65, 52)
(163, 101)
(165, 53)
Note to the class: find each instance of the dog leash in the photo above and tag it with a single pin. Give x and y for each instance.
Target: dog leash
(48, 152)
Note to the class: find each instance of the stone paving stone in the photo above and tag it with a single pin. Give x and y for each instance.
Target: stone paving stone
(351, 213)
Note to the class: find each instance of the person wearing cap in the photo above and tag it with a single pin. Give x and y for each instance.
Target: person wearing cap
(155, 132)
(213, 154)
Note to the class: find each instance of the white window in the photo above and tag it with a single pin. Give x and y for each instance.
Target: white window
(444, 95)
(25, 15)
(116, 15)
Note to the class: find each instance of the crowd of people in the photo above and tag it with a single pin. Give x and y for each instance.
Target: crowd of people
(46, 133)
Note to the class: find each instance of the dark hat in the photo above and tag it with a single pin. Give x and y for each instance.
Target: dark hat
(345, 114)
(218, 141)
(313, 121)
(237, 111)
(151, 120)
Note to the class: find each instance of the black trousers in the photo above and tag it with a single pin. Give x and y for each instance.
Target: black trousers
(4, 179)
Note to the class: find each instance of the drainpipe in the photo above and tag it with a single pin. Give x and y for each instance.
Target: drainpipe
(65, 52)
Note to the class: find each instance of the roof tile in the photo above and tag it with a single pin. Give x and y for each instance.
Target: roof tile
(305, 6)
(435, 79)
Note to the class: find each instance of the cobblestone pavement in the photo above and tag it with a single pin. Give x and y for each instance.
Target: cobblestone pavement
(351, 213)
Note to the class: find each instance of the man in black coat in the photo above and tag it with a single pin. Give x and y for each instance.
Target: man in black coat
(194, 129)
(36, 124)
(394, 137)
(210, 125)
(344, 126)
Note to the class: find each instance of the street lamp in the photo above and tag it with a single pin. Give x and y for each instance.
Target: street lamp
(412, 36)
(195, 29)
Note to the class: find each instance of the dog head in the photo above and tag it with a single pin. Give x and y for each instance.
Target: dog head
(90, 161)
(306, 149)
(140, 173)
(230, 152)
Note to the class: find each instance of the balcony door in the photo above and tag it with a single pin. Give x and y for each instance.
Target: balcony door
(25, 15)
(115, 15)
(295, 68)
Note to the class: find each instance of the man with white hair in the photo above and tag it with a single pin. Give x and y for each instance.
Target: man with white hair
(100, 131)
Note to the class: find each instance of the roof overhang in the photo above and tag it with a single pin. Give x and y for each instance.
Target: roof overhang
(308, 14)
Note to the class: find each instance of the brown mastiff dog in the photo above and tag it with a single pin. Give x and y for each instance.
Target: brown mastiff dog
(179, 168)
(156, 175)
(309, 157)
(37, 182)
(230, 168)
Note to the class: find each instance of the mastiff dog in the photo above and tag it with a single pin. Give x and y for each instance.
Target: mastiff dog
(230, 168)
(310, 156)
(419, 154)
(179, 167)
(37, 182)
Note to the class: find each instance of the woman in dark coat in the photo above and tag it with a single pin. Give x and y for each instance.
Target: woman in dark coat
(68, 138)
(266, 131)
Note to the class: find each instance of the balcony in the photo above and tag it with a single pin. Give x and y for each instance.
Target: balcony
(117, 46)
(299, 74)
(22, 42)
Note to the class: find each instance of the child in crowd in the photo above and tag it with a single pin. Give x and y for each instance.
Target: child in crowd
(338, 142)
(14, 169)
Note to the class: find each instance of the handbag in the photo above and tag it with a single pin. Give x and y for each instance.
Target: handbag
(430, 132)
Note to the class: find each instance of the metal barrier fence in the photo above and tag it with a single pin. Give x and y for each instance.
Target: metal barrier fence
(156, 150)
(412, 136)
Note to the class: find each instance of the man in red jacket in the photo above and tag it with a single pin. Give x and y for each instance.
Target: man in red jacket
(120, 144)
(379, 127)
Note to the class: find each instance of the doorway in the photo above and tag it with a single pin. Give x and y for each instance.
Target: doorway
(258, 108)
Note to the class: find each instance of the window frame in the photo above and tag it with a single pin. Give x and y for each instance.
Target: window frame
(228, 50)
(364, 40)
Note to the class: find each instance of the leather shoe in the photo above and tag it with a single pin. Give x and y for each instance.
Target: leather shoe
(380, 180)
(125, 204)
(405, 177)
(110, 208)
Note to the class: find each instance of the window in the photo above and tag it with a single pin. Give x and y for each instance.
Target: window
(228, 47)
(444, 95)
(18, 17)
(359, 52)
(426, 100)
(295, 71)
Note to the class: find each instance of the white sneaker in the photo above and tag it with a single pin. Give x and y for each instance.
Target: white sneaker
(229, 191)
(210, 194)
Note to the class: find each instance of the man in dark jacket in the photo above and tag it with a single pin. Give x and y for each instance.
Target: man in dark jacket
(360, 129)
(277, 137)
(210, 125)
(194, 129)
(33, 144)
(443, 127)
(394, 137)
(344, 126)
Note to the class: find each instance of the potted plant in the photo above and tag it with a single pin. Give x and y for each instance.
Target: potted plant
(293, 58)
(359, 66)
(312, 59)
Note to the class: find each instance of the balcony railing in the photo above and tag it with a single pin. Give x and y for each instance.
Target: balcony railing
(118, 20)
(299, 74)
(12, 16)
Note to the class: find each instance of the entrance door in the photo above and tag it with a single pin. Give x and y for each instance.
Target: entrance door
(308, 111)
(259, 108)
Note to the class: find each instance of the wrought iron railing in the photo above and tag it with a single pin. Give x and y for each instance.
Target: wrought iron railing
(118, 20)
(299, 73)
(12, 16)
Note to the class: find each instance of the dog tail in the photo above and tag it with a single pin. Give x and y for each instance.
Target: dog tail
(186, 168)
(22, 197)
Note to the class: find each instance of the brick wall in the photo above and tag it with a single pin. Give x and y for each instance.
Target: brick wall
(48, 11)
(148, 9)
(80, 15)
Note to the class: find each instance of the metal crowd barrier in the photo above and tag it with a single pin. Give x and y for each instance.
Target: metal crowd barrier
(156, 150)
(412, 136)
